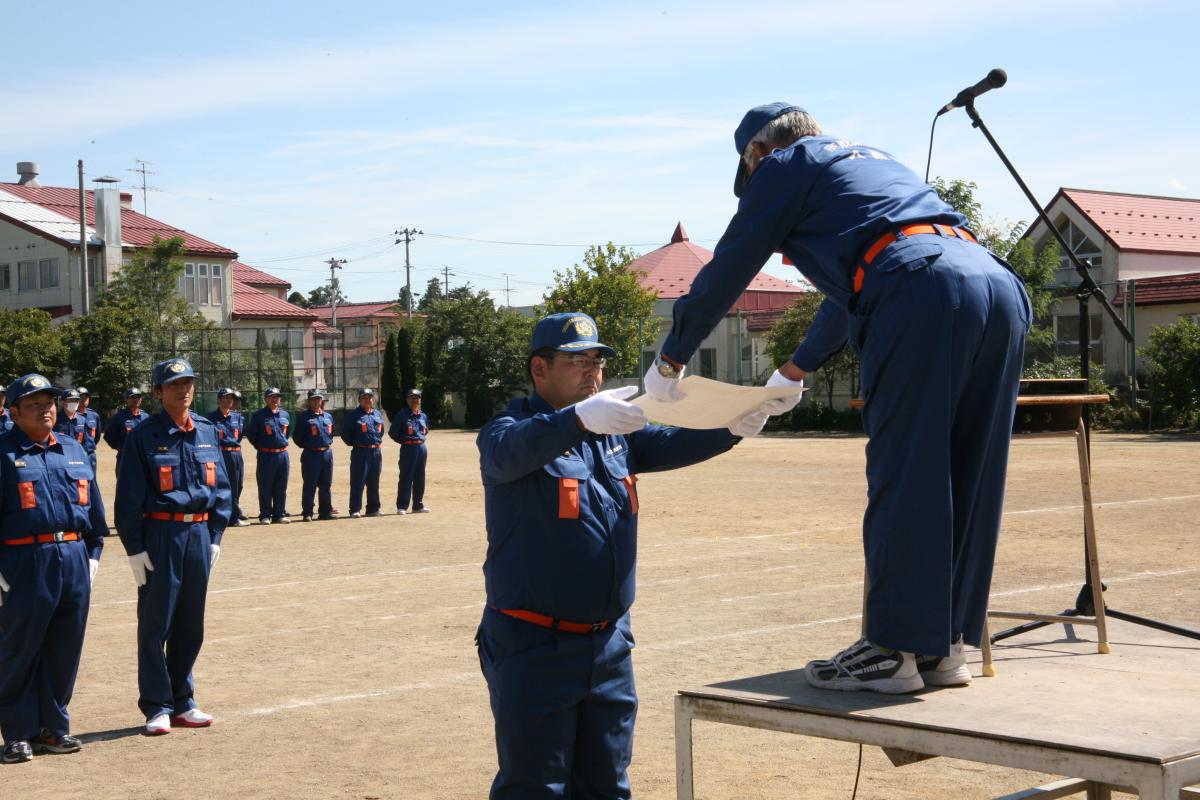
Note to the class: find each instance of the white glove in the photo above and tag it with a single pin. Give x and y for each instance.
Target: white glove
(749, 424)
(783, 404)
(93, 565)
(141, 566)
(607, 412)
(214, 552)
(4, 587)
(663, 389)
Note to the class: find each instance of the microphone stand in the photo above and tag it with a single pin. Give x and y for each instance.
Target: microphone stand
(1087, 289)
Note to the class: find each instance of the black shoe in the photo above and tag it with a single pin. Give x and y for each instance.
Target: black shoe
(328, 516)
(374, 513)
(16, 752)
(47, 742)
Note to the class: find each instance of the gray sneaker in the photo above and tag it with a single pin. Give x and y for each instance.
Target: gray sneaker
(948, 670)
(16, 752)
(46, 742)
(865, 667)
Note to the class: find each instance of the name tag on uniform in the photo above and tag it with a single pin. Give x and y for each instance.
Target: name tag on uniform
(75, 462)
(202, 444)
(612, 451)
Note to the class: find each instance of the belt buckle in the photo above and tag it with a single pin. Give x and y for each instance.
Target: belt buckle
(58, 536)
(597, 627)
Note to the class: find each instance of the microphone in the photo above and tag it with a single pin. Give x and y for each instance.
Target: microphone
(994, 80)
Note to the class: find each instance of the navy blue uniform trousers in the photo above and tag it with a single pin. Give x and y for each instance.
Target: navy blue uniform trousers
(366, 465)
(42, 624)
(272, 474)
(236, 469)
(316, 468)
(942, 346)
(171, 615)
(412, 476)
(555, 695)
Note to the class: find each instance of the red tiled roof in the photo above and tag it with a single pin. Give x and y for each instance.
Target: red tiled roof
(670, 269)
(345, 311)
(137, 230)
(321, 329)
(250, 303)
(1139, 222)
(1163, 290)
(256, 277)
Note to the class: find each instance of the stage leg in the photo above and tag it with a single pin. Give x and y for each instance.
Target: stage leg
(1089, 533)
(683, 751)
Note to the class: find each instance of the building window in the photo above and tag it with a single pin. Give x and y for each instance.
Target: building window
(91, 270)
(48, 272)
(5, 277)
(27, 276)
(189, 282)
(1066, 335)
(202, 284)
(708, 362)
(1083, 248)
(218, 286)
(296, 343)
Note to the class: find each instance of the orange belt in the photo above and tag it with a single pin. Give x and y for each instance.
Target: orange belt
(232, 449)
(316, 449)
(272, 449)
(43, 538)
(544, 621)
(366, 445)
(414, 441)
(860, 273)
(168, 517)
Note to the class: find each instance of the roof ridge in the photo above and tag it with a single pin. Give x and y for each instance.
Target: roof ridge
(1133, 194)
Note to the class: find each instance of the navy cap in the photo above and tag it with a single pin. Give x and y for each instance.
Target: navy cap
(569, 332)
(71, 394)
(414, 392)
(225, 391)
(272, 390)
(83, 390)
(238, 395)
(30, 384)
(366, 391)
(133, 391)
(171, 370)
(315, 393)
(754, 121)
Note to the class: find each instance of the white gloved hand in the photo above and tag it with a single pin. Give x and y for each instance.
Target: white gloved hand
(214, 552)
(93, 565)
(607, 412)
(661, 388)
(749, 424)
(783, 405)
(141, 566)
(4, 587)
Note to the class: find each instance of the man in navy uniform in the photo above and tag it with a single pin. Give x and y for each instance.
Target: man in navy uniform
(92, 423)
(231, 426)
(940, 325)
(72, 420)
(362, 429)
(6, 423)
(268, 432)
(52, 530)
(124, 421)
(409, 428)
(314, 434)
(559, 474)
(173, 504)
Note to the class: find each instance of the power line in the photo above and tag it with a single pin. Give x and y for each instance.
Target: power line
(535, 244)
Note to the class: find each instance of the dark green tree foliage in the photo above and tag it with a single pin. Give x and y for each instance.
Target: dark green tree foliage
(405, 361)
(390, 393)
(297, 299)
(1174, 356)
(606, 289)
(323, 296)
(433, 293)
(433, 388)
(28, 343)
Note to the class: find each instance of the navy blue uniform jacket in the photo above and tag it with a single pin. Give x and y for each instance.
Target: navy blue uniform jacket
(561, 507)
(409, 428)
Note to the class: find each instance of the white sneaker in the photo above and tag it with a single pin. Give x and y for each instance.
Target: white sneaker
(865, 667)
(355, 514)
(948, 670)
(242, 523)
(158, 725)
(421, 510)
(401, 511)
(284, 521)
(192, 718)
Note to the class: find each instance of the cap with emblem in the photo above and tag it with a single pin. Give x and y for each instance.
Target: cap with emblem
(83, 390)
(133, 391)
(569, 332)
(70, 394)
(315, 393)
(755, 120)
(225, 391)
(414, 392)
(30, 384)
(171, 370)
(364, 392)
(272, 391)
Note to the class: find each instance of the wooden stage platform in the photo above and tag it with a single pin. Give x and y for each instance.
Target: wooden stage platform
(1128, 720)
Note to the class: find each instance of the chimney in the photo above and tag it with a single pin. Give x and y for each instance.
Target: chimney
(28, 171)
(127, 200)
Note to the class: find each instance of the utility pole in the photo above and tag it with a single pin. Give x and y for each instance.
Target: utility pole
(507, 291)
(408, 233)
(334, 265)
(141, 169)
(83, 265)
(446, 286)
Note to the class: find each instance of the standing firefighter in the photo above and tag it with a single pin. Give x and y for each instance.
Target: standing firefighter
(6, 423)
(940, 324)
(92, 425)
(409, 428)
(314, 435)
(362, 429)
(231, 427)
(173, 504)
(268, 432)
(124, 421)
(559, 479)
(52, 530)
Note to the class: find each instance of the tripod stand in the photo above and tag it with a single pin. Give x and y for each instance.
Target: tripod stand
(1087, 289)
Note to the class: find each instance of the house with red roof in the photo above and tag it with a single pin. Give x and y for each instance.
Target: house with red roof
(364, 328)
(735, 352)
(40, 248)
(1143, 250)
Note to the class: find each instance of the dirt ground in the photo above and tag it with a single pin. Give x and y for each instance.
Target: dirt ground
(339, 660)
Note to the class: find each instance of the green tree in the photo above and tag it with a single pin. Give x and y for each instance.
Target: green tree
(434, 394)
(1174, 371)
(323, 296)
(298, 299)
(791, 329)
(433, 293)
(390, 393)
(405, 363)
(29, 343)
(406, 302)
(607, 289)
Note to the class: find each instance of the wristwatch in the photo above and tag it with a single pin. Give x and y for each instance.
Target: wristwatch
(666, 368)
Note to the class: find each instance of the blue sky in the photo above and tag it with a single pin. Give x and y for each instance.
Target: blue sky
(295, 132)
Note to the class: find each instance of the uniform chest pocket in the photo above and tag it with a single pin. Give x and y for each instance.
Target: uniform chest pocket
(569, 474)
(164, 468)
(329, 428)
(363, 426)
(270, 429)
(27, 482)
(79, 476)
(206, 467)
(313, 428)
(620, 472)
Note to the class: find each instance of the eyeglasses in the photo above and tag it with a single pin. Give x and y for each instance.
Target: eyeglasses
(586, 362)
